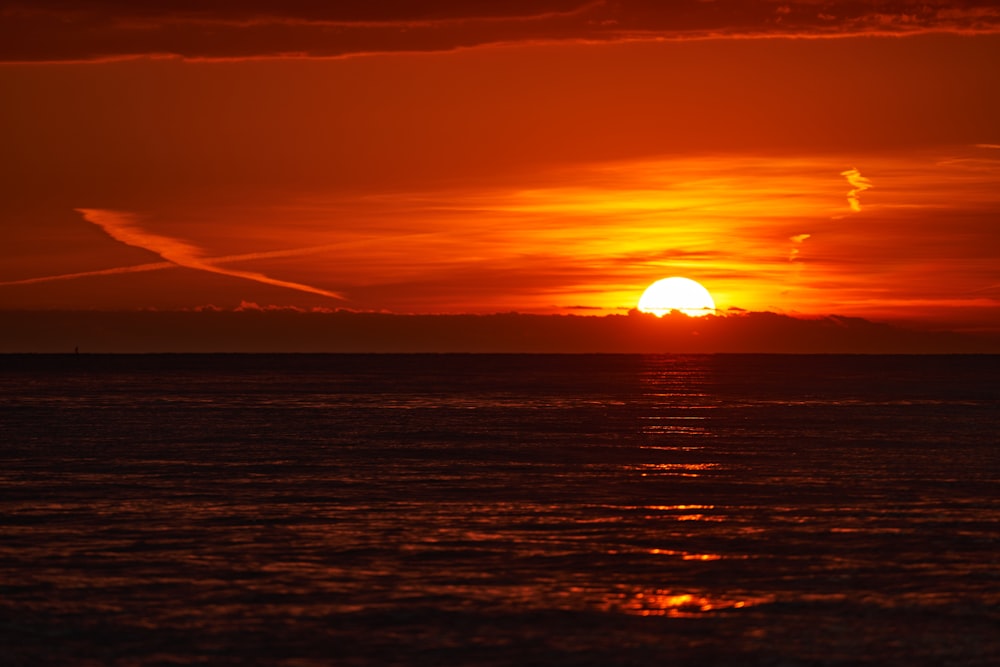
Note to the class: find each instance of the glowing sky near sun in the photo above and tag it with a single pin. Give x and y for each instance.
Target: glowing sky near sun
(556, 163)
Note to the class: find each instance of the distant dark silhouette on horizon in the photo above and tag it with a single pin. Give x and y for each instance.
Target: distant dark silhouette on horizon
(344, 331)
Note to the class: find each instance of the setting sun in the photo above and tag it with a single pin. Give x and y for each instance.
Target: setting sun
(681, 294)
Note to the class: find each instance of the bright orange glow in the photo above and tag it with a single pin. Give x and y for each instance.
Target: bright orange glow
(678, 605)
(680, 294)
(526, 174)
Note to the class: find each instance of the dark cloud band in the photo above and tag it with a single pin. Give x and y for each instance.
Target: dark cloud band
(58, 30)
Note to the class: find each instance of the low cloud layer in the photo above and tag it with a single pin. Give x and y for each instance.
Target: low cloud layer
(253, 328)
(59, 30)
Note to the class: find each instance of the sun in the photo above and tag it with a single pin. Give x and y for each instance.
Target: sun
(681, 294)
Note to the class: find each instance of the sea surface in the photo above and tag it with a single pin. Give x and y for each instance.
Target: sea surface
(499, 510)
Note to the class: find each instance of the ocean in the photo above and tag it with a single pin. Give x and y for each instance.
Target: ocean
(499, 510)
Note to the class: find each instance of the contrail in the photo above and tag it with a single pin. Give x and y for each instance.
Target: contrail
(121, 227)
(159, 266)
(136, 268)
(859, 184)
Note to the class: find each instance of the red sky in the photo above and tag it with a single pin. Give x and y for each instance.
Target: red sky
(804, 158)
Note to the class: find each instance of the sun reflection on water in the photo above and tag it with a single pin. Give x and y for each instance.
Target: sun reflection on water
(688, 424)
(673, 469)
(685, 555)
(663, 602)
(674, 397)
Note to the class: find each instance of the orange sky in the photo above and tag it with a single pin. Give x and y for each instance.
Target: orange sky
(560, 161)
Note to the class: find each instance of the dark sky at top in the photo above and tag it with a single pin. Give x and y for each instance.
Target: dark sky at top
(52, 30)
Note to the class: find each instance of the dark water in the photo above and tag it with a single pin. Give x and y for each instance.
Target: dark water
(499, 510)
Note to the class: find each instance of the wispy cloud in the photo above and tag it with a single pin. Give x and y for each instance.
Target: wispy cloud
(745, 226)
(858, 184)
(123, 228)
(53, 30)
(797, 241)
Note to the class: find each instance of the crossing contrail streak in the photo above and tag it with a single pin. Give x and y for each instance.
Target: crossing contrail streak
(122, 227)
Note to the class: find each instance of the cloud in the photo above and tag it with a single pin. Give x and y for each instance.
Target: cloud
(255, 328)
(122, 227)
(797, 241)
(57, 30)
(301, 10)
(858, 184)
